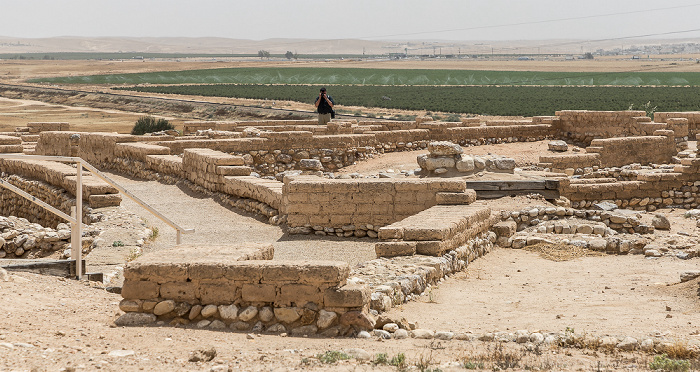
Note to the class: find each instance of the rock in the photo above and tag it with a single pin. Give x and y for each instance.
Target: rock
(537, 338)
(331, 332)
(134, 319)
(240, 326)
(522, 336)
(248, 313)
(465, 164)
(479, 163)
(4, 275)
(307, 330)
(504, 164)
(195, 311)
(203, 323)
(358, 354)
(276, 328)
(310, 164)
(258, 327)
(121, 353)
(400, 334)
(444, 148)
(432, 164)
(209, 310)
(660, 222)
(217, 324)
(228, 312)
(559, 146)
(206, 354)
(128, 306)
(604, 206)
(182, 308)
(647, 345)
(164, 307)
(325, 319)
(689, 275)
(391, 327)
(363, 334)
(358, 319)
(250, 336)
(446, 336)
(422, 334)
(652, 253)
(382, 334)
(288, 314)
(628, 344)
(266, 314)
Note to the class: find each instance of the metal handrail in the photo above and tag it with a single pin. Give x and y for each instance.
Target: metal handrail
(76, 219)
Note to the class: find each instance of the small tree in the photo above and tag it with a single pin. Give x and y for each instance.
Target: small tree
(149, 124)
(290, 55)
(263, 54)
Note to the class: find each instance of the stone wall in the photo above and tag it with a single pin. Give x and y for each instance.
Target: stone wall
(358, 206)
(237, 287)
(616, 152)
(693, 118)
(583, 126)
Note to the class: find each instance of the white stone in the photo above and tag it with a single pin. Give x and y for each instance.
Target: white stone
(465, 164)
(422, 333)
(228, 312)
(121, 353)
(400, 334)
(325, 319)
(266, 314)
(248, 313)
(391, 327)
(133, 319)
(164, 307)
(209, 310)
(287, 314)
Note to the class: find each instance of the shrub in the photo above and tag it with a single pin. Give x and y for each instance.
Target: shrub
(149, 124)
(664, 363)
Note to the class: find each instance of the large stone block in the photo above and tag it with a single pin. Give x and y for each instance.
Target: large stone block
(394, 249)
(258, 293)
(298, 294)
(140, 290)
(218, 293)
(347, 296)
(181, 291)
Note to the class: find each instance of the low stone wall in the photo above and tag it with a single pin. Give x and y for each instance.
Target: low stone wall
(38, 127)
(236, 287)
(583, 126)
(22, 239)
(358, 206)
(693, 118)
(616, 152)
(12, 204)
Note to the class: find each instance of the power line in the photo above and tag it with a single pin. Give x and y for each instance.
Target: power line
(535, 22)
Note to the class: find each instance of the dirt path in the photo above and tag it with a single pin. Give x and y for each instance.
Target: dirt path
(217, 224)
(509, 290)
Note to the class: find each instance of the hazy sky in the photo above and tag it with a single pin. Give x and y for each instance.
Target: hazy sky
(364, 19)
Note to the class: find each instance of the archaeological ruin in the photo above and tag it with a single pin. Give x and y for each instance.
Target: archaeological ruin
(604, 176)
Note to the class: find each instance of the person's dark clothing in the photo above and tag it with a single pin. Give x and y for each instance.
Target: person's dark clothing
(323, 106)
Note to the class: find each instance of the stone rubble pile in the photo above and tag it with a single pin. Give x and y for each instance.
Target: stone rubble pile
(23, 239)
(448, 157)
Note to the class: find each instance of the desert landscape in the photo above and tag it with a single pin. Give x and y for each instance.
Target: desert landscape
(560, 242)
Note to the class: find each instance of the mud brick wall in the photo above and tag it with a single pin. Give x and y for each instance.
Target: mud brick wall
(616, 152)
(12, 204)
(207, 168)
(58, 143)
(96, 192)
(300, 297)
(48, 126)
(10, 144)
(583, 126)
(692, 116)
(358, 206)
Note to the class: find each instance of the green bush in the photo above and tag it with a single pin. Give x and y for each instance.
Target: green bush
(149, 124)
(664, 363)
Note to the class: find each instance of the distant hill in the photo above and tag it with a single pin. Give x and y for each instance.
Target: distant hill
(215, 45)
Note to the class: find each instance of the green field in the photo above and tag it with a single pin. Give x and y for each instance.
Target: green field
(411, 77)
(486, 100)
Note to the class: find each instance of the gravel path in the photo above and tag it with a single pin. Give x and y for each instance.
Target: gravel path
(218, 224)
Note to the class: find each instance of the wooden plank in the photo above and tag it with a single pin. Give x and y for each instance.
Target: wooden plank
(65, 268)
(495, 194)
(507, 185)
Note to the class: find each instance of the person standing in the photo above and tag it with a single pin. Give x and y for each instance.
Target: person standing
(324, 105)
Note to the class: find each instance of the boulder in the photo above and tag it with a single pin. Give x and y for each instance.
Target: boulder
(559, 146)
(444, 148)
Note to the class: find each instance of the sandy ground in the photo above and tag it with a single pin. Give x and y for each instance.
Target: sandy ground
(52, 324)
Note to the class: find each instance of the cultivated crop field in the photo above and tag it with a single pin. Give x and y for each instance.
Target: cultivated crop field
(372, 76)
(484, 100)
